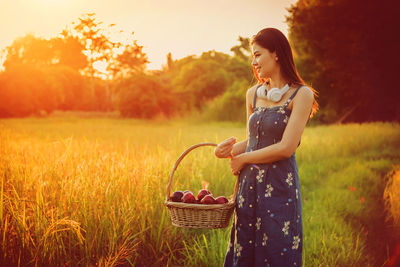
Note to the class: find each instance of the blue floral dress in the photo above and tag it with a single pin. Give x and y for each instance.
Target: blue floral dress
(267, 228)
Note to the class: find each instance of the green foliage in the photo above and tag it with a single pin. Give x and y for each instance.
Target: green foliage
(243, 50)
(201, 80)
(144, 96)
(231, 106)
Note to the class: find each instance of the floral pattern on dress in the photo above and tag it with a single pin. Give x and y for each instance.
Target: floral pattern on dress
(268, 190)
(258, 223)
(296, 242)
(264, 240)
(289, 179)
(285, 228)
(260, 175)
(238, 249)
(241, 201)
(285, 120)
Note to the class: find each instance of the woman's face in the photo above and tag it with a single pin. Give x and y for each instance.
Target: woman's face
(264, 61)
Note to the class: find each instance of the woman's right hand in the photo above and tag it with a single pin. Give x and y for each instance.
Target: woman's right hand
(224, 149)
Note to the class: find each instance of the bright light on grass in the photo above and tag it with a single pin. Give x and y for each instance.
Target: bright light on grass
(86, 191)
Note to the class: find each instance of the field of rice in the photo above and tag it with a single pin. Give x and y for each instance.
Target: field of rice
(91, 191)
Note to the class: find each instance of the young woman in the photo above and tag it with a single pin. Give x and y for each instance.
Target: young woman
(267, 230)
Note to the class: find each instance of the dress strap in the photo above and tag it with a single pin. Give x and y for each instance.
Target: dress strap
(292, 96)
(255, 95)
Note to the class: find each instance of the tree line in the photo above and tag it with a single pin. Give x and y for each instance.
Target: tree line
(347, 50)
(339, 50)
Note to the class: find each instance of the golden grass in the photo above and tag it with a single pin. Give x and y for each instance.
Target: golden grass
(392, 197)
(90, 191)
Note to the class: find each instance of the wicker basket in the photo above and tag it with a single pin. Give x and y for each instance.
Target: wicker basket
(199, 215)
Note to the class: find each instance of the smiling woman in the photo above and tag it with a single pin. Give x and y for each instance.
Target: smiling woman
(268, 228)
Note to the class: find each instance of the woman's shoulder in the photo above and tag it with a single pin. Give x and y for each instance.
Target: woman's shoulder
(251, 91)
(306, 91)
(304, 95)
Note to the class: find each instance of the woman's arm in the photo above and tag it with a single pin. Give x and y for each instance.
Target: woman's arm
(302, 105)
(240, 147)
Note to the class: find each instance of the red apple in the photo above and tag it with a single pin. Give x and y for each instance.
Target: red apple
(188, 198)
(221, 200)
(202, 193)
(177, 196)
(208, 199)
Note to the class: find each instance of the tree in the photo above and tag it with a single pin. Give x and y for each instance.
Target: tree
(242, 50)
(346, 50)
(144, 96)
(27, 89)
(119, 60)
(201, 80)
(68, 51)
(97, 46)
(131, 61)
(31, 50)
(62, 70)
(32, 81)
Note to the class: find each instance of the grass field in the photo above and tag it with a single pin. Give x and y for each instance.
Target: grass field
(90, 191)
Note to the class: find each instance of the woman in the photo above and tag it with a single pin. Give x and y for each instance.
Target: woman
(267, 230)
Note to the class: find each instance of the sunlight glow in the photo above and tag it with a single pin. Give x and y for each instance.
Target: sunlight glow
(157, 24)
(55, 2)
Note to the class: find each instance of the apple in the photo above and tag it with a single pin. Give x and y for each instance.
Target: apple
(177, 196)
(208, 199)
(221, 200)
(188, 197)
(202, 193)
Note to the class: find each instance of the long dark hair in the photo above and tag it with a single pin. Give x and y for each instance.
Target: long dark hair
(275, 41)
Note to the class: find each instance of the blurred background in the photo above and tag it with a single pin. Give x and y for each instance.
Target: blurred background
(178, 58)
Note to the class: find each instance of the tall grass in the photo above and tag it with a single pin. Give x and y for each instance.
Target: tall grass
(392, 197)
(392, 205)
(90, 191)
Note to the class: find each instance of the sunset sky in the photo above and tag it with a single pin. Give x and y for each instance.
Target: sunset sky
(182, 27)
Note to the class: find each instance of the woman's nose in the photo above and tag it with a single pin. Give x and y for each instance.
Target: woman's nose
(253, 62)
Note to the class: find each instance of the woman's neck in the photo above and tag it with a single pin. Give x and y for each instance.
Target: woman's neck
(277, 81)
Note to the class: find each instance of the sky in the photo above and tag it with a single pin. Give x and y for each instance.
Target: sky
(182, 27)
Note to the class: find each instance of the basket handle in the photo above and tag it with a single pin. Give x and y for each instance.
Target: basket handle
(179, 161)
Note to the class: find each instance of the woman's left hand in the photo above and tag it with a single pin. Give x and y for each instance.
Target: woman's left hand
(237, 163)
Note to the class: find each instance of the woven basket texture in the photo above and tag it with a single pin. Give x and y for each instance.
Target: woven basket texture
(189, 215)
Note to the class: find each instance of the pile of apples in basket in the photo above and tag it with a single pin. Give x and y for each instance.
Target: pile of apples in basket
(203, 197)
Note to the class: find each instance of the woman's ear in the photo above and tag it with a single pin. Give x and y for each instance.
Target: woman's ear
(275, 56)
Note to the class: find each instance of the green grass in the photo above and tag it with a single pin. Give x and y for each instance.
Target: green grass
(86, 191)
